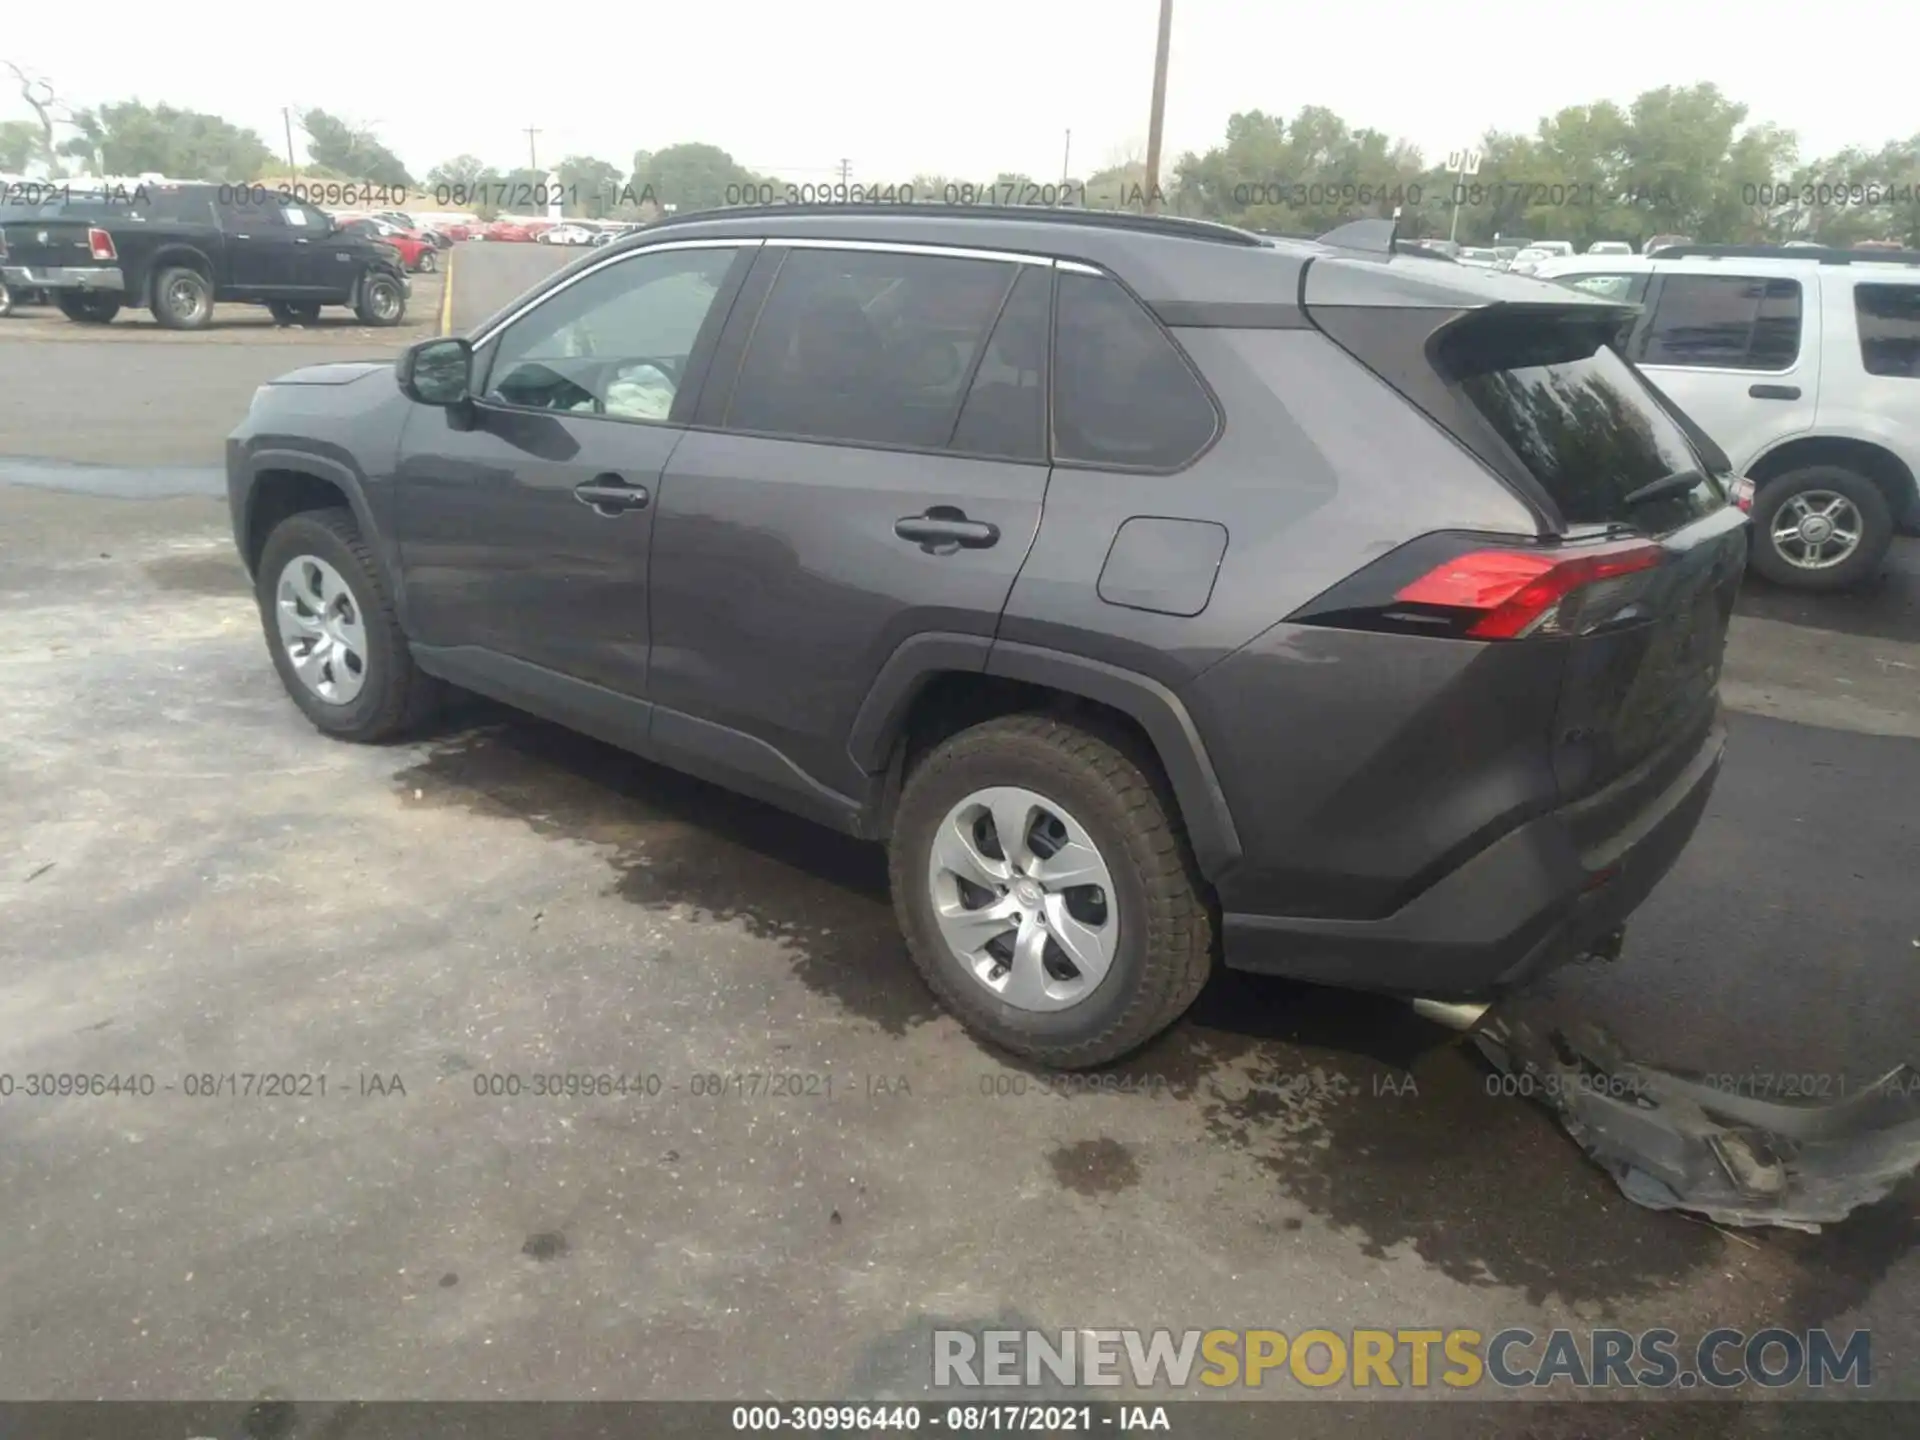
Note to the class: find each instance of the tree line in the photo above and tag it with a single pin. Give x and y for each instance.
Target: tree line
(1677, 160)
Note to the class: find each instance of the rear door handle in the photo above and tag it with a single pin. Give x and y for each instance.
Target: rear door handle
(945, 529)
(610, 495)
(1774, 392)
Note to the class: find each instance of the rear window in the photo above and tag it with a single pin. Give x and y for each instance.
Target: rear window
(1889, 321)
(1580, 420)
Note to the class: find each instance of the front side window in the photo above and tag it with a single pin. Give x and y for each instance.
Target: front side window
(1123, 395)
(1889, 321)
(615, 342)
(868, 347)
(1725, 322)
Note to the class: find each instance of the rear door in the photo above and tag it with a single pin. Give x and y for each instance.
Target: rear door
(869, 465)
(1738, 353)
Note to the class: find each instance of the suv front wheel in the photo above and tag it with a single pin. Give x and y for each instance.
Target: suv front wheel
(1047, 892)
(1820, 528)
(332, 631)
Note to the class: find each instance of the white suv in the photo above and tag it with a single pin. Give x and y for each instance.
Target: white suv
(1804, 366)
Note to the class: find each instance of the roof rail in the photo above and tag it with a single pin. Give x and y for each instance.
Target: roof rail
(1825, 254)
(1178, 226)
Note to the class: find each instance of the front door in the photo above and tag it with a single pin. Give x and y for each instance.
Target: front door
(526, 534)
(868, 467)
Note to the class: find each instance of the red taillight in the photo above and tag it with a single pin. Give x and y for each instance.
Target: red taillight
(100, 245)
(1743, 495)
(1519, 592)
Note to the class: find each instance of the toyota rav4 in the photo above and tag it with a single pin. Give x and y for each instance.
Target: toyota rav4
(1160, 595)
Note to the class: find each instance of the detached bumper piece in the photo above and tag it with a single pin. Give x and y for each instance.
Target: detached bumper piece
(1674, 1143)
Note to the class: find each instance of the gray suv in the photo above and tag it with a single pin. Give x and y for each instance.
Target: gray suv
(1161, 595)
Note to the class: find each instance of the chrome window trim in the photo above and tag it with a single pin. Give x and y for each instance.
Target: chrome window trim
(807, 242)
(741, 243)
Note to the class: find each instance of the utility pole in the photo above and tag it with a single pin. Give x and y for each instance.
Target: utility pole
(846, 169)
(533, 160)
(1066, 160)
(1158, 114)
(286, 119)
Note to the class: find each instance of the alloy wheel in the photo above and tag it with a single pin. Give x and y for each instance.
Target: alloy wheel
(1817, 529)
(1023, 898)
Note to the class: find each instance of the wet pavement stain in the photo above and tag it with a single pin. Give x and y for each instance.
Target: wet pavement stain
(216, 574)
(675, 841)
(1389, 1129)
(1094, 1167)
(547, 1245)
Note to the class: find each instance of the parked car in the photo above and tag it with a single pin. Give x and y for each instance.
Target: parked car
(505, 230)
(1609, 247)
(1555, 248)
(181, 248)
(1478, 256)
(1527, 261)
(417, 251)
(915, 521)
(566, 235)
(1663, 242)
(1804, 366)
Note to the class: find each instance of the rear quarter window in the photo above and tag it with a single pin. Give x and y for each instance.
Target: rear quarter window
(1888, 317)
(1124, 397)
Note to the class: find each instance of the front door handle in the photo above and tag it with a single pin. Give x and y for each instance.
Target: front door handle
(1774, 392)
(945, 529)
(609, 495)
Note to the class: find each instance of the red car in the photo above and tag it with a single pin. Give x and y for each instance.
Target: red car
(417, 252)
(506, 230)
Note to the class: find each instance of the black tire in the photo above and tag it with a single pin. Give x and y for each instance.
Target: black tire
(1165, 950)
(427, 263)
(182, 299)
(1876, 534)
(294, 312)
(88, 308)
(6, 302)
(397, 697)
(371, 305)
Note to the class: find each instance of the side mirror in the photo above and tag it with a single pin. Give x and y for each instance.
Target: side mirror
(437, 371)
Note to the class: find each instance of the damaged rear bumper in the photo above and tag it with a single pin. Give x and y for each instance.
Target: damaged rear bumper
(1672, 1142)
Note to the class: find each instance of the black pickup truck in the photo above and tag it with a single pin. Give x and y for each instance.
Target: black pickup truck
(177, 249)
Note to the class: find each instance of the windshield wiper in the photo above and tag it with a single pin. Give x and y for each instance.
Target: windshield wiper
(1678, 483)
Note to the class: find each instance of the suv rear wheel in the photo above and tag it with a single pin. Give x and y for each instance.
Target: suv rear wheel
(182, 299)
(1820, 528)
(1047, 891)
(381, 301)
(332, 631)
(89, 309)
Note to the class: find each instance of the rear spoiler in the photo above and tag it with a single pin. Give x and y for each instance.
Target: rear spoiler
(1374, 236)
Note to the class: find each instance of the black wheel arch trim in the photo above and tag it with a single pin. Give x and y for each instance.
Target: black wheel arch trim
(1157, 710)
(344, 478)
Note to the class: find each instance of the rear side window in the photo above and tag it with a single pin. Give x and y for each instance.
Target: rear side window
(1725, 322)
(868, 347)
(1584, 425)
(1889, 321)
(1005, 415)
(1124, 396)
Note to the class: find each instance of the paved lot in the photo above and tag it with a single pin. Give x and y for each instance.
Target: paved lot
(194, 883)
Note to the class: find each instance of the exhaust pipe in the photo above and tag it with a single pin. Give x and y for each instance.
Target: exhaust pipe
(1455, 1016)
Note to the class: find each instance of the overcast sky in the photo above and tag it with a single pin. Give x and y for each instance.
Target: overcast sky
(964, 90)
